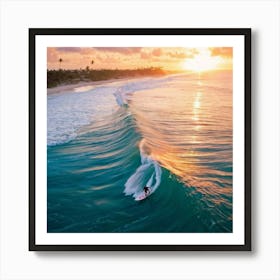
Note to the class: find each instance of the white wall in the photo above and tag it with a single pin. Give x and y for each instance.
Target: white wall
(17, 262)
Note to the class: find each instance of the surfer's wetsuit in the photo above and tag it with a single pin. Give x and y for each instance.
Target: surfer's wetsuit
(146, 189)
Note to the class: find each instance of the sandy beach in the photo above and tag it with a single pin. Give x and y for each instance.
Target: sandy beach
(72, 87)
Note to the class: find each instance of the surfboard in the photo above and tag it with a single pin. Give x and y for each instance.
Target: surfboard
(143, 195)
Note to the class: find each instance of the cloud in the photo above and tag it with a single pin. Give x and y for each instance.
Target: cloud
(125, 51)
(183, 53)
(52, 55)
(145, 55)
(68, 49)
(179, 55)
(157, 52)
(225, 52)
(167, 54)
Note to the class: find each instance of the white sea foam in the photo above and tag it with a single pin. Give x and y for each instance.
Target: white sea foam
(147, 174)
(68, 111)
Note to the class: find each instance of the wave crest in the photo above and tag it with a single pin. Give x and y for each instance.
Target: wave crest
(147, 174)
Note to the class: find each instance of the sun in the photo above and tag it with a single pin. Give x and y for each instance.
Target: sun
(201, 62)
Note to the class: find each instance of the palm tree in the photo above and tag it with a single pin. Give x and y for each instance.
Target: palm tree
(60, 60)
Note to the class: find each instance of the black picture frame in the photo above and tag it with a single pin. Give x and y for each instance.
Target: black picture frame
(246, 32)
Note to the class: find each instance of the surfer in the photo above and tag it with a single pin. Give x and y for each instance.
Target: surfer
(146, 190)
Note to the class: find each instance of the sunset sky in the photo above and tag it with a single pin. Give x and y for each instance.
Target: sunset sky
(189, 59)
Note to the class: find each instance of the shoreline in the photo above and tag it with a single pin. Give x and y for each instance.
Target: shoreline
(71, 87)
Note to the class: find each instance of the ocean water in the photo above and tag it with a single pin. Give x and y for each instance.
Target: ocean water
(172, 134)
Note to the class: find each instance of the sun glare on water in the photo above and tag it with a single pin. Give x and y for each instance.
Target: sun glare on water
(201, 62)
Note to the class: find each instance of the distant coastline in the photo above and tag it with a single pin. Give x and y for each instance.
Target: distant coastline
(64, 77)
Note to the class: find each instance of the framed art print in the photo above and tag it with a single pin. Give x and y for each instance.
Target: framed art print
(140, 139)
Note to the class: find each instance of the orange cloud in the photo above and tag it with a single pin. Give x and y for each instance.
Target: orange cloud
(125, 51)
(224, 52)
(145, 55)
(69, 49)
(157, 52)
(52, 55)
